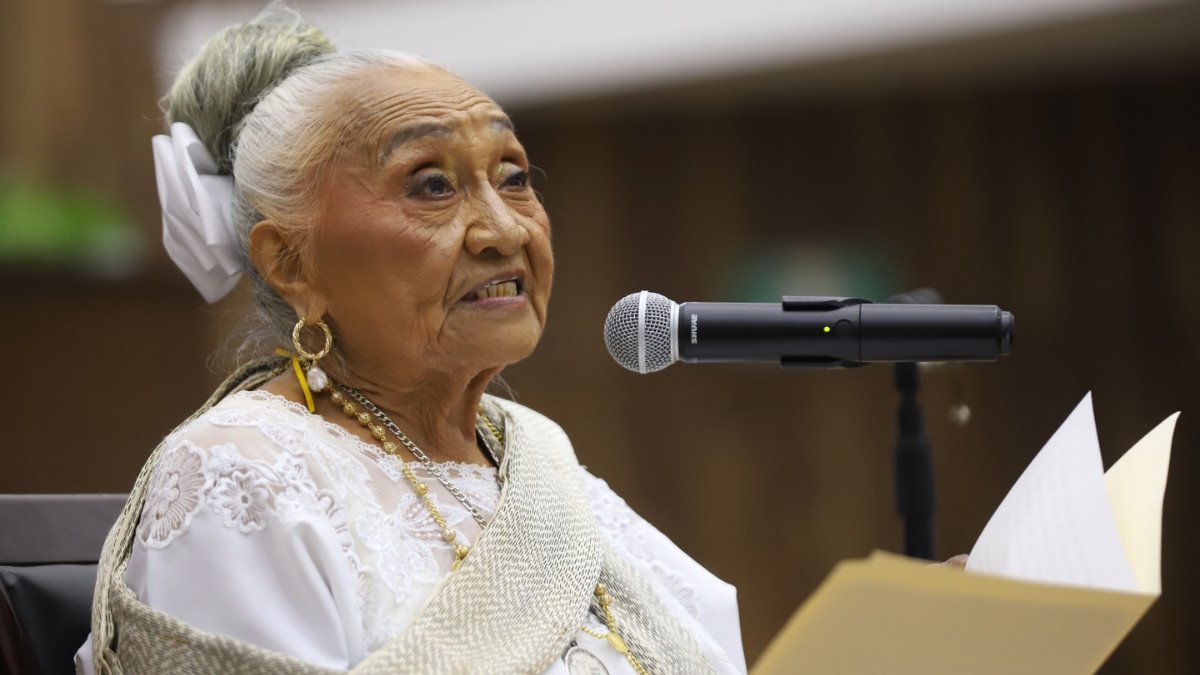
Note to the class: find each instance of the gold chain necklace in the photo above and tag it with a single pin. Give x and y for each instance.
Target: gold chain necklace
(449, 535)
(430, 466)
(613, 637)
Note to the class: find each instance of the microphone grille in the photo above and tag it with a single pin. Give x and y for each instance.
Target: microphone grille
(637, 332)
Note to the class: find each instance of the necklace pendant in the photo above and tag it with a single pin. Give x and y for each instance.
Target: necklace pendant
(582, 662)
(318, 381)
(460, 554)
(617, 643)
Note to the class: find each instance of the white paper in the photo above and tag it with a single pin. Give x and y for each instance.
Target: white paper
(1057, 524)
(1136, 484)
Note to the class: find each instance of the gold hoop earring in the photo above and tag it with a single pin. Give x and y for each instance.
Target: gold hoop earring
(313, 378)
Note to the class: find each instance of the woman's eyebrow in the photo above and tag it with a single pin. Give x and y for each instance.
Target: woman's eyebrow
(503, 123)
(411, 132)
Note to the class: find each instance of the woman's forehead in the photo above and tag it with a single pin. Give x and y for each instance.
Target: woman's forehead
(395, 105)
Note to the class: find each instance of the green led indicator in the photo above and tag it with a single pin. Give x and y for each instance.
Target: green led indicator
(826, 329)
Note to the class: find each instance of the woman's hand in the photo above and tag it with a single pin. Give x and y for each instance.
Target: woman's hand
(958, 562)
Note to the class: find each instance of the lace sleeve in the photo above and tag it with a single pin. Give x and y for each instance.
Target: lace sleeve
(699, 598)
(237, 538)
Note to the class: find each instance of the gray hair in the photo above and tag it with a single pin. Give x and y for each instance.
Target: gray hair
(253, 94)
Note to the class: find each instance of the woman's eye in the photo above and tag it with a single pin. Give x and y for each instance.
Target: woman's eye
(438, 186)
(433, 185)
(517, 179)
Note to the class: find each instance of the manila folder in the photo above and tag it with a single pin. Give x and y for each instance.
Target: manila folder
(891, 614)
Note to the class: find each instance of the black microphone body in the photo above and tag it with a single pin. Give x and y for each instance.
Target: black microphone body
(820, 332)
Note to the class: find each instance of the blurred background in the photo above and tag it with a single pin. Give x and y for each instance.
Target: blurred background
(1042, 155)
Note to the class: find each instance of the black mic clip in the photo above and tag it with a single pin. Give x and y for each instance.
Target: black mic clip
(797, 303)
(840, 328)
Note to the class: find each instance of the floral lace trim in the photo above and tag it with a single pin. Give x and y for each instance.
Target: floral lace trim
(246, 494)
(175, 494)
(453, 469)
(396, 550)
(477, 481)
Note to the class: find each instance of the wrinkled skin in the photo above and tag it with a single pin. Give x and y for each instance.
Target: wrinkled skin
(427, 201)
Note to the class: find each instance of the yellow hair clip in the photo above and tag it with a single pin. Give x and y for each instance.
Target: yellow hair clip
(308, 399)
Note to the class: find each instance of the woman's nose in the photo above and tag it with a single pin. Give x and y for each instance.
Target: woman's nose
(493, 225)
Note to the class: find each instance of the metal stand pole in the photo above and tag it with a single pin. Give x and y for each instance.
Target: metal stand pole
(916, 499)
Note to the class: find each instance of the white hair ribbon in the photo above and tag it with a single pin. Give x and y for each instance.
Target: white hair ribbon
(197, 209)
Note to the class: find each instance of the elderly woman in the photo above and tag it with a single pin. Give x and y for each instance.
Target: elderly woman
(352, 499)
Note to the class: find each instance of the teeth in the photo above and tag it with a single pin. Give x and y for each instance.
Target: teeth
(499, 289)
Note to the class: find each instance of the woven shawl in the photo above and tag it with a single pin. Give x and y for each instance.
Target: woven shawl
(512, 607)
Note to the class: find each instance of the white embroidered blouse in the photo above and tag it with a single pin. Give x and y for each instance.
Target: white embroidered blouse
(271, 525)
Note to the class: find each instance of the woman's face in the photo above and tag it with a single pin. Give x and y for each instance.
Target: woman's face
(433, 246)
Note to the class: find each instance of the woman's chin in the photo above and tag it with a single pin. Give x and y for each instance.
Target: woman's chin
(519, 350)
(507, 345)
(499, 331)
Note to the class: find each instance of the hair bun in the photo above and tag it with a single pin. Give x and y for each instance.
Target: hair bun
(233, 71)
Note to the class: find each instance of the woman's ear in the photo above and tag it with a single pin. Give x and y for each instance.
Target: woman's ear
(276, 256)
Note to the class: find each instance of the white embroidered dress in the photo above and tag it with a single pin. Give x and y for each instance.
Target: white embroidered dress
(271, 525)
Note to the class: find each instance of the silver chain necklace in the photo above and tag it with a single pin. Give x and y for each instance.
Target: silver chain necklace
(417, 452)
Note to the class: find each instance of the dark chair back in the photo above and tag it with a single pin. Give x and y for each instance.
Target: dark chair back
(49, 546)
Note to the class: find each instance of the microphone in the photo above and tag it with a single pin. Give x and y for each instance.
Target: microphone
(646, 332)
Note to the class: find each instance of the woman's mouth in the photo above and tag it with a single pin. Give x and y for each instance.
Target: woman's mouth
(499, 289)
(503, 292)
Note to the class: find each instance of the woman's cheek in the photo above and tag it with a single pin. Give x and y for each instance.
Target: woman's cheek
(539, 240)
(544, 263)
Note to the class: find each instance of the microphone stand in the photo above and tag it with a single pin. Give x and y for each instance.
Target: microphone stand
(916, 496)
